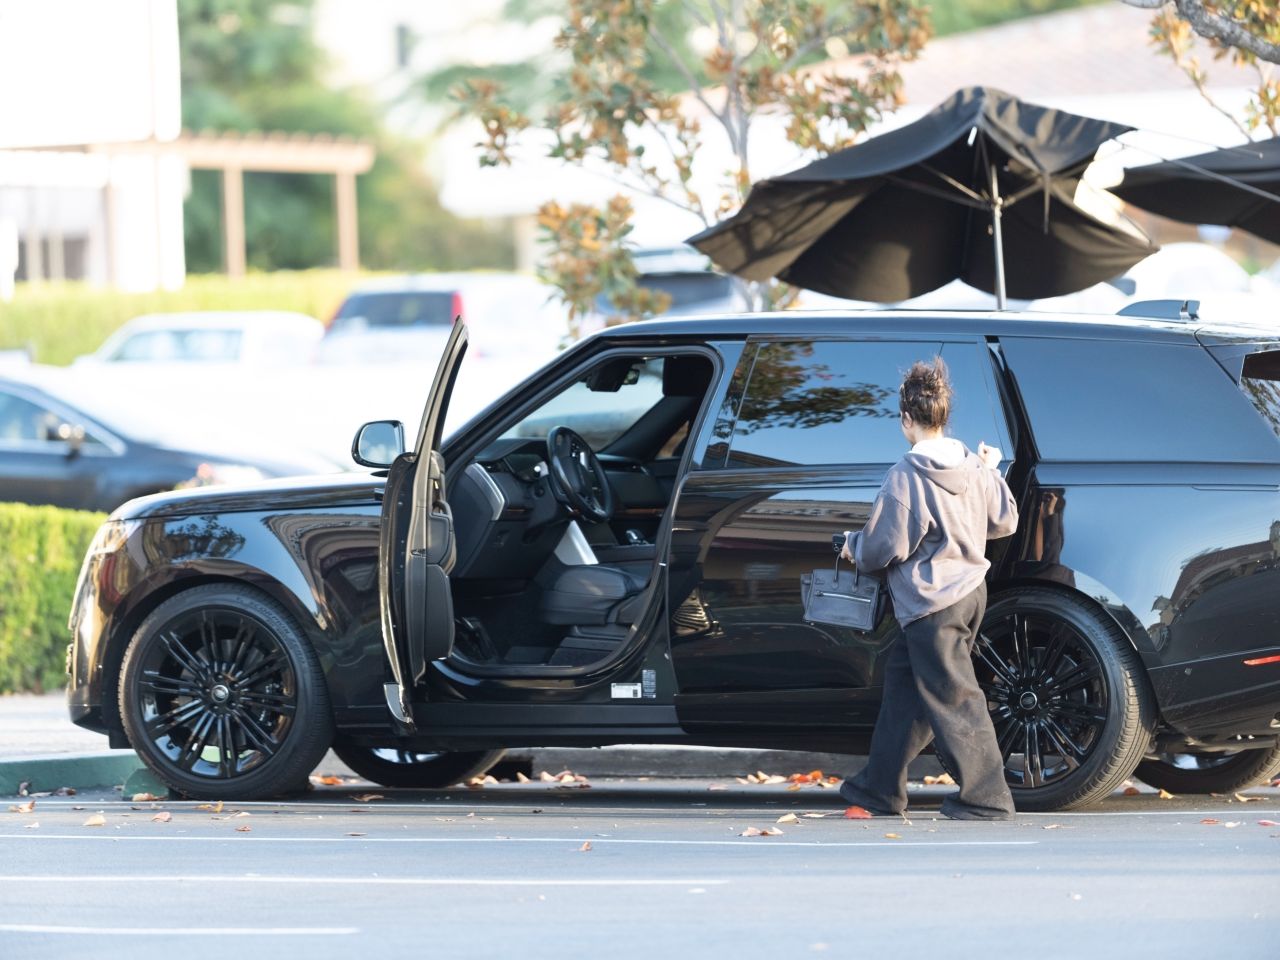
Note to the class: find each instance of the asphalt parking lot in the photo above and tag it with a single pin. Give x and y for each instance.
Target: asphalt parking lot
(630, 868)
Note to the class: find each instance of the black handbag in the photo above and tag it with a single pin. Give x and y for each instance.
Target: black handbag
(842, 598)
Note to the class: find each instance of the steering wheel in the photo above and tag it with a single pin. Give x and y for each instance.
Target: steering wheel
(577, 476)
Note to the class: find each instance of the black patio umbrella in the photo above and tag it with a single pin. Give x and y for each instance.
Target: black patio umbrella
(1233, 187)
(979, 188)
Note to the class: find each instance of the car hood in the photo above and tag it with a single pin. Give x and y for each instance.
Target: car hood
(292, 493)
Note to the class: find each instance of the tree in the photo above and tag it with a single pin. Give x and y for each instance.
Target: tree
(1245, 31)
(253, 65)
(611, 109)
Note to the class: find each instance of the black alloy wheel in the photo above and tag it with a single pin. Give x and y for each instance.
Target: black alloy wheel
(222, 697)
(1068, 697)
(1224, 772)
(396, 767)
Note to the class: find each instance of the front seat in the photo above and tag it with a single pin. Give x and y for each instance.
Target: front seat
(592, 594)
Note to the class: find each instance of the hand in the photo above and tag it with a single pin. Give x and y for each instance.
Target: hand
(990, 456)
(844, 551)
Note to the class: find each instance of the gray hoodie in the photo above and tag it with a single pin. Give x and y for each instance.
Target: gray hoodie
(929, 527)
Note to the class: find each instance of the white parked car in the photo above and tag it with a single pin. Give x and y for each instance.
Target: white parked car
(408, 318)
(265, 338)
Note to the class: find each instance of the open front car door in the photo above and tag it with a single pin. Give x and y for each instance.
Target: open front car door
(416, 552)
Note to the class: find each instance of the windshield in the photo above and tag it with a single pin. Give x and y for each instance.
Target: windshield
(179, 346)
(599, 416)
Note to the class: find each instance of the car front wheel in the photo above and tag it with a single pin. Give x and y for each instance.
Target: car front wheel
(1072, 708)
(1211, 772)
(222, 696)
(394, 767)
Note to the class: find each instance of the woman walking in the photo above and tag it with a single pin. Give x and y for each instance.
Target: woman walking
(928, 531)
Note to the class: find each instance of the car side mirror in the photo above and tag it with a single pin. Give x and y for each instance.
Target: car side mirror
(377, 444)
(72, 434)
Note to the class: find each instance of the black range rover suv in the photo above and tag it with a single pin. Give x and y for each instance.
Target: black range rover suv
(612, 553)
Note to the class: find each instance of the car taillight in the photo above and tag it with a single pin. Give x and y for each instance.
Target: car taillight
(1259, 661)
(455, 306)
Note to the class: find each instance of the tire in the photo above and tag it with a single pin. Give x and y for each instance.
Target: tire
(223, 697)
(393, 767)
(1070, 700)
(1211, 772)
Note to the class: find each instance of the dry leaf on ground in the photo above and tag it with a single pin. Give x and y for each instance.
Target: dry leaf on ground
(585, 847)
(814, 816)
(1232, 823)
(946, 780)
(1132, 791)
(1268, 823)
(211, 807)
(718, 786)
(1211, 820)
(239, 813)
(521, 778)
(164, 816)
(892, 836)
(756, 832)
(27, 807)
(546, 777)
(144, 798)
(244, 829)
(97, 820)
(857, 813)
(788, 818)
(1166, 795)
(1243, 799)
(329, 780)
(366, 797)
(1052, 826)
(65, 792)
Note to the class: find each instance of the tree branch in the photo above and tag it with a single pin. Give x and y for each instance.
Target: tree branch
(695, 87)
(1215, 26)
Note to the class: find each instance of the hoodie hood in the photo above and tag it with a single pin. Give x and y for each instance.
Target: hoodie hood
(946, 462)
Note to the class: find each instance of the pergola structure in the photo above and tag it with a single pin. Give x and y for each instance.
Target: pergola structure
(234, 154)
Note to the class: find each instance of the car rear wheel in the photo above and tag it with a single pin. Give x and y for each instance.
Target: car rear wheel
(1071, 704)
(222, 696)
(1211, 772)
(394, 767)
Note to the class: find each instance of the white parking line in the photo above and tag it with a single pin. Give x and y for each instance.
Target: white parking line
(181, 931)
(595, 841)
(683, 809)
(135, 879)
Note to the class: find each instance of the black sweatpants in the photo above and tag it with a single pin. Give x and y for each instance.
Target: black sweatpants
(930, 691)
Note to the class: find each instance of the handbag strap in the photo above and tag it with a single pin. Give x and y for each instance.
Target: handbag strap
(835, 573)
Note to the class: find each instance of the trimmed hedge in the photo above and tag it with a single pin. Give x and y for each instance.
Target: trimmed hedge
(41, 549)
(59, 321)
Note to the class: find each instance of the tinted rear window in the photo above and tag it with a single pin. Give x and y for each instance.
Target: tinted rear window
(1260, 380)
(836, 401)
(1125, 401)
(396, 310)
(685, 289)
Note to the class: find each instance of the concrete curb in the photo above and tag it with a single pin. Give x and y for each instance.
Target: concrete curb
(79, 771)
(85, 771)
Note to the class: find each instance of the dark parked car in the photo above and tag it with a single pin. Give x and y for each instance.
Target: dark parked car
(518, 585)
(53, 452)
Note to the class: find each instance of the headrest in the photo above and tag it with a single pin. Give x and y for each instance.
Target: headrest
(685, 376)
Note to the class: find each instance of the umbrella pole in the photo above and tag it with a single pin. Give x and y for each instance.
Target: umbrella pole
(997, 206)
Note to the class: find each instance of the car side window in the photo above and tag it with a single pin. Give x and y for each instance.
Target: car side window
(22, 421)
(828, 402)
(824, 402)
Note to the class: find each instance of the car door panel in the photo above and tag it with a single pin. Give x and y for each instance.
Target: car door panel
(418, 548)
(741, 541)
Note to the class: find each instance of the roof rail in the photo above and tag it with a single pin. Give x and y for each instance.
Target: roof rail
(1183, 310)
